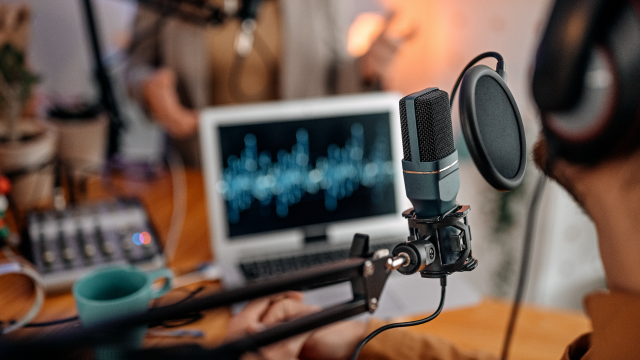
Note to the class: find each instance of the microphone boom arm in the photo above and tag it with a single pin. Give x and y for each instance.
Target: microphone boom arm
(367, 272)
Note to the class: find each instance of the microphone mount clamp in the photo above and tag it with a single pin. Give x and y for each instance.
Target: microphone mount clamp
(437, 246)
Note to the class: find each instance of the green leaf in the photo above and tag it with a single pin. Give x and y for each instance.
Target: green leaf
(15, 72)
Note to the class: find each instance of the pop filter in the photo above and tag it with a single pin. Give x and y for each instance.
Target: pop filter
(492, 127)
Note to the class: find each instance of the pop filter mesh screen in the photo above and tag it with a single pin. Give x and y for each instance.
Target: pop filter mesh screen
(433, 122)
(498, 126)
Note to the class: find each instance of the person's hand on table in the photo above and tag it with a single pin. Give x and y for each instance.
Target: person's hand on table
(161, 98)
(331, 342)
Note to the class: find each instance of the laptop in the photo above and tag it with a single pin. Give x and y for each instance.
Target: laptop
(289, 183)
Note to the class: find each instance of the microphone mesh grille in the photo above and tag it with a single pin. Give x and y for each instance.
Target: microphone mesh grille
(406, 143)
(433, 122)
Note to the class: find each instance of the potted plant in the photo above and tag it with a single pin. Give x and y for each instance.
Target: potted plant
(27, 145)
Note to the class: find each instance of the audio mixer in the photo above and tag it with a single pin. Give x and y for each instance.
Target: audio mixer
(65, 244)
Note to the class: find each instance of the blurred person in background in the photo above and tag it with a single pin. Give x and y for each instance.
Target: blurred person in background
(299, 50)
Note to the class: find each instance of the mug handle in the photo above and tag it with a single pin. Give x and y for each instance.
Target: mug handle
(158, 274)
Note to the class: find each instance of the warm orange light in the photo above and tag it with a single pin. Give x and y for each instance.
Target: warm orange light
(363, 32)
(145, 237)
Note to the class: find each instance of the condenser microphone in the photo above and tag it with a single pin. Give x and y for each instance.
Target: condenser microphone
(430, 164)
(440, 239)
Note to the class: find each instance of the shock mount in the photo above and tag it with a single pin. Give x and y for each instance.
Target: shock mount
(437, 246)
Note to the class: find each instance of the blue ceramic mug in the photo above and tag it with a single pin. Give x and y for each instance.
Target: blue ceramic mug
(112, 292)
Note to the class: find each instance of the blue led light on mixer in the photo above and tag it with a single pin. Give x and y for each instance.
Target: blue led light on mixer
(284, 182)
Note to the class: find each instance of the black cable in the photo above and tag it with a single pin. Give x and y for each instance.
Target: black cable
(187, 298)
(534, 207)
(361, 344)
(494, 54)
(184, 319)
(51, 323)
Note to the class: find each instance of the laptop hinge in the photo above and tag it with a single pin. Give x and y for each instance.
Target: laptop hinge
(315, 234)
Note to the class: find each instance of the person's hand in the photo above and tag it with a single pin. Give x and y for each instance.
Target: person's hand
(334, 342)
(267, 312)
(15, 25)
(161, 97)
(374, 64)
(331, 342)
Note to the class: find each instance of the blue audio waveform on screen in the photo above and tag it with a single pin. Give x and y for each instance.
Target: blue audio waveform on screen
(285, 181)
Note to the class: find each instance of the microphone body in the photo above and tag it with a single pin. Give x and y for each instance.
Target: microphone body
(430, 164)
(249, 9)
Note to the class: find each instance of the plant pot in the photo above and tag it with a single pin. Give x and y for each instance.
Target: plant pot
(82, 144)
(29, 164)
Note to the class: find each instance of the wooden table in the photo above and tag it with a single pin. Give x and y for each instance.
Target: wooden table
(540, 333)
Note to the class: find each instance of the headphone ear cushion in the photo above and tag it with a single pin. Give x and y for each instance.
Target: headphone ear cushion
(571, 133)
(606, 120)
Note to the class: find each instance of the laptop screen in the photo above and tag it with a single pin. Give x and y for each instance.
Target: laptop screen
(287, 174)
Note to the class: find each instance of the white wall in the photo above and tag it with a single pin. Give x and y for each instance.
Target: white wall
(60, 54)
(451, 33)
(59, 49)
(566, 259)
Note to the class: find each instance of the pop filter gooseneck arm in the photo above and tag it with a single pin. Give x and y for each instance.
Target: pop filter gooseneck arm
(500, 69)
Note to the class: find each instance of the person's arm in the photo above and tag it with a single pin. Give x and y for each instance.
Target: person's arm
(143, 53)
(162, 101)
(154, 86)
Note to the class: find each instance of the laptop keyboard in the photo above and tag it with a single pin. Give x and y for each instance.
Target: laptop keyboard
(255, 270)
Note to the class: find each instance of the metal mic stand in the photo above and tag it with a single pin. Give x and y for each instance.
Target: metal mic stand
(107, 97)
(195, 11)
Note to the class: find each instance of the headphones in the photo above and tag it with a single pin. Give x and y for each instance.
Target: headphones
(586, 80)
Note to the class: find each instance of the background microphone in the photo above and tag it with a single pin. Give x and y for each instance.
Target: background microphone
(244, 39)
(430, 164)
(249, 9)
